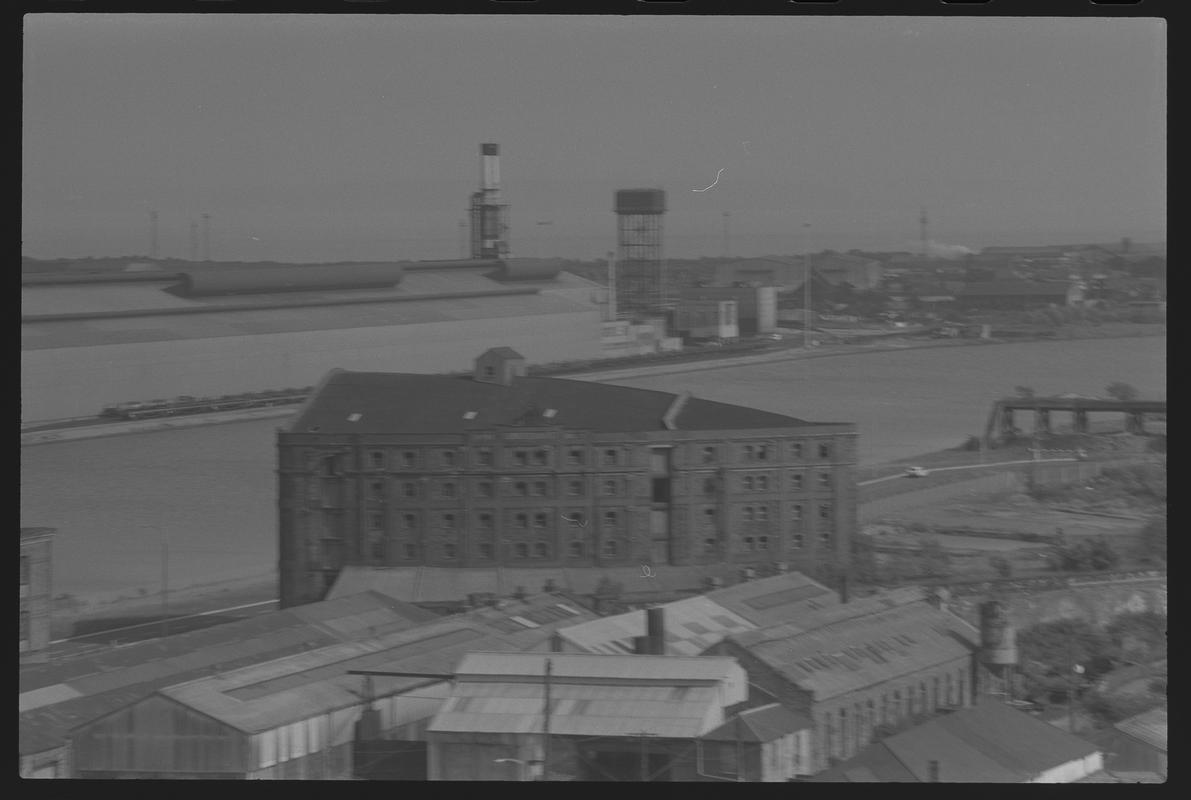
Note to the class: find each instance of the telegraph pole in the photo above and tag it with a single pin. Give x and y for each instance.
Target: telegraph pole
(806, 297)
(165, 586)
(611, 286)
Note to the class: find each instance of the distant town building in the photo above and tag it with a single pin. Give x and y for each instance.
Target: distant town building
(507, 470)
(707, 319)
(36, 590)
(988, 743)
(756, 306)
(1018, 295)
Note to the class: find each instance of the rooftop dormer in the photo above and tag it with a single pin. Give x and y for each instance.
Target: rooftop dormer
(499, 365)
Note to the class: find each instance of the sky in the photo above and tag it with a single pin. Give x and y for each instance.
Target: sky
(318, 137)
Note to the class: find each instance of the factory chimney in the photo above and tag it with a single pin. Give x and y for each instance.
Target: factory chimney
(653, 643)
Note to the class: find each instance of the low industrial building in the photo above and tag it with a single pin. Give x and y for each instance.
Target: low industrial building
(303, 716)
(1135, 749)
(855, 666)
(767, 744)
(712, 319)
(611, 717)
(756, 306)
(858, 271)
(228, 328)
(36, 590)
(1017, 295)
(57, 697)
(987, 743)
(503, 470)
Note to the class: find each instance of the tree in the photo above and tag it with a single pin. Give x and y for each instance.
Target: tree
(1139, 635)
(1050, 651)
(1121, 391)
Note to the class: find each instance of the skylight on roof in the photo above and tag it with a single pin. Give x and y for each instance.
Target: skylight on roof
(526, 622)
(354, 417)
(567, 609)
(470, 414)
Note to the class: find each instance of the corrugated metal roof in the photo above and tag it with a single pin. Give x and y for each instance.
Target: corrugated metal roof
(630, 668)
(835, 656)
(1149, 727)
(576, 709)
(692, 625)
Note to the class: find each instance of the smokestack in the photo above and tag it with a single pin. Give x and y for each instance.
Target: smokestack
(655, 630)
(932, 770)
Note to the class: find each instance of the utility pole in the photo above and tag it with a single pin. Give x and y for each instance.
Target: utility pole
(611, 286)
(462, 239)
(806, 297)
(165, 586)
(546, 724)
(206, 237)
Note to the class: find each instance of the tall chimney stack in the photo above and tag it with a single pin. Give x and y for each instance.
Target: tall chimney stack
(655, 630)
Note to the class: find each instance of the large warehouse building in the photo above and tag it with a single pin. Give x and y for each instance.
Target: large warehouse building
(502, 470)
(92, 341)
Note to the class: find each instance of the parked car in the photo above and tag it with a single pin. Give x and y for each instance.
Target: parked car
(916, 472)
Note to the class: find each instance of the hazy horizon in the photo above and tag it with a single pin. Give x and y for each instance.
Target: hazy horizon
(356, 137)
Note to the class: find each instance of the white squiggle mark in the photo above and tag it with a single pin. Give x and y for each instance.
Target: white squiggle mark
(717, 180)
(647, 571)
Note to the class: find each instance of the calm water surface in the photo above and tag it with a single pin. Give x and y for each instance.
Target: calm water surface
(209, 492)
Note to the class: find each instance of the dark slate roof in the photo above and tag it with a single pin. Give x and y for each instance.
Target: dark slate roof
(762, 724)
(988, 743)
(407, 403)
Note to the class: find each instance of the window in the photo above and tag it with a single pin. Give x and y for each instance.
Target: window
(490, 372)
(541, 457)
(825, 512)
(448, 490)
(484, 489)
(610, 458)
(710, 546)
(376, 459)
(749, 452)
(576, 518)
(709, 455)
(521, 520)
(610, 548)
(539, 520)
(762, 483)
(709, 486)
(409, 489)
(520, 458)
(824, 480)
(330, 466)
(762, 513)
(521, 550)
(748, 483)
(609, 488)
(795, 450)
(448, 550)
(376, 490)
(796, 513)
(409, 459)
(409, 521)
(748, 513)
(762, 452)
(409, 550)
(796, 541)
(575, 457)
(709, 516)
(485, 550)
(824, 450)
(610, 518)
(749, 544)
(484, 458)
(448, 520)
(576, 549)
(376, 521)
(762, 542)
(825, 538)
(485, 522)
(521, 488)
(541, 550)
(796, 482)
(575, 488)
(538, 489)
(448, 458)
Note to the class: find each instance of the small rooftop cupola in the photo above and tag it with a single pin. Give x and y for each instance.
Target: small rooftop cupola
(499, 365)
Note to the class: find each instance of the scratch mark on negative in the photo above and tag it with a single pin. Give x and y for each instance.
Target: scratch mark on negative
(713, 183)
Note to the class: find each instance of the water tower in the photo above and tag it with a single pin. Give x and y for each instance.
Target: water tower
(998, 650)
(489, 213)
(640, 276)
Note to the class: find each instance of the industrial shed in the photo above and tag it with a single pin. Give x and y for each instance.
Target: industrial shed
(229, 330)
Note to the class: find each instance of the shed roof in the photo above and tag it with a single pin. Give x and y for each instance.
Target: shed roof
(763, 724)
(412, 403)
(296, 687)
(988, 743)
(830, 653)
(57, 697)
(1148, 727)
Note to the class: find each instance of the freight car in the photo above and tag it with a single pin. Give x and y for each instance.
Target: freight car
(186, 404)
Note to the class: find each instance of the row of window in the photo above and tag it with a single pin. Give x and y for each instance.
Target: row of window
(755, 544)
(544, 457)
(485, 550)
(377, 490)
(376, 520)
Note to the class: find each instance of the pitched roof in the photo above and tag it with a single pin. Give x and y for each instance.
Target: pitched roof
(410, 403)
(265, 695)
(763, 724)
(57, 697)
(830, 652)
(592, 695)
(988, 743)
(694, 624)
(1148, 727)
